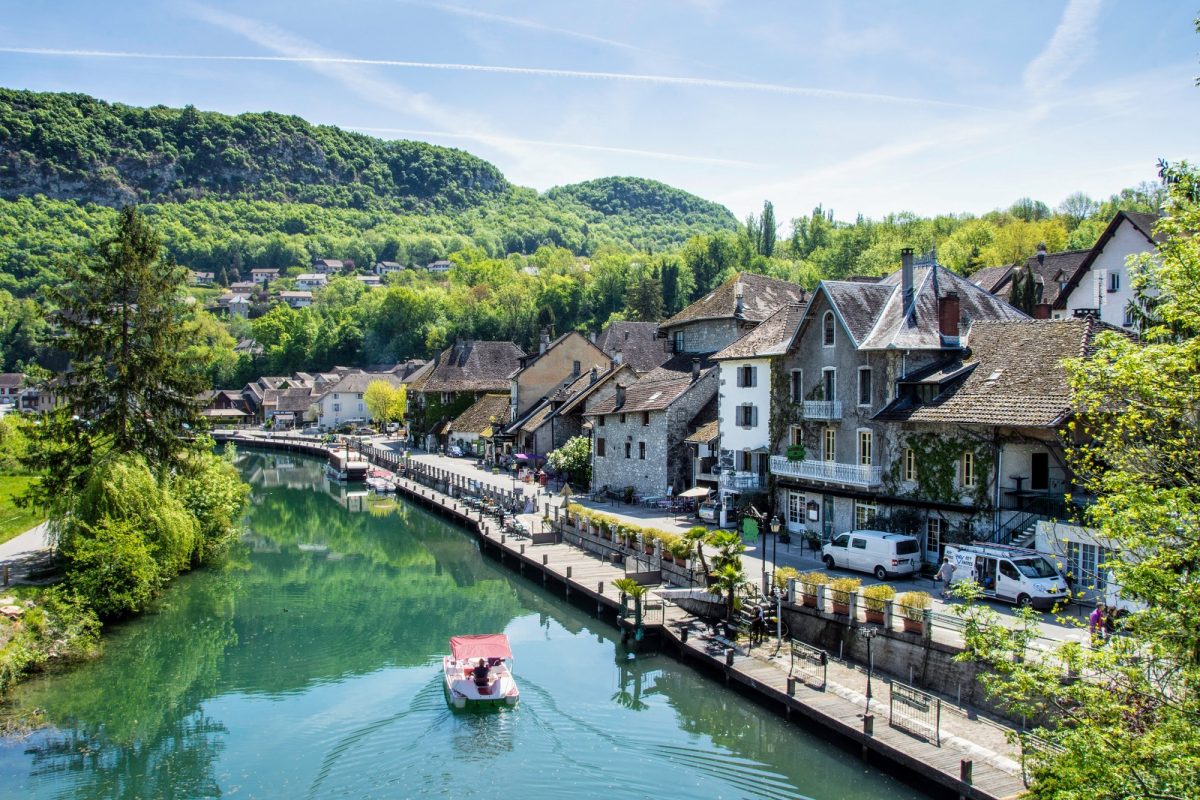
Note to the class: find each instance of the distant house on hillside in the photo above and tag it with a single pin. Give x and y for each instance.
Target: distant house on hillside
(260, 276)
(369, 281)
(439, 267)
(297, 299)
(388, 267)
(201, 278)
(311, 280)
(327, 266)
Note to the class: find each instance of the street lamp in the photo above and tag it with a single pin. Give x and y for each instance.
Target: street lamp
(775, 525)
(869, 632)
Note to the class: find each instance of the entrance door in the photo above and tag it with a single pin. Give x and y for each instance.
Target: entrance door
(1039, 480)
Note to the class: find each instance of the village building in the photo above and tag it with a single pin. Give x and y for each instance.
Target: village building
(1101, 287)
(264, 275)
(369, 281)
(474, 429)
(297, 299)
(634, 343)
(11, 385)
(328, 266)
(342, 403)
(457, 377)
(311, 281)
(224, 406)
(439, 267)
(383, 268)
(844, 361)
(200, 278)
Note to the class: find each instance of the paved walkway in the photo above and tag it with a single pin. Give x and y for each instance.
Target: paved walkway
(25, 554)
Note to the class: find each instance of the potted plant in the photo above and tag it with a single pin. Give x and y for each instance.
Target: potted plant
(809, 581)
(912, 610)
(782, 575)
(841, 589)
(874, 599)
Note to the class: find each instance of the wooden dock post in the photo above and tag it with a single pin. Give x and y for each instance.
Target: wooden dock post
(966, 771)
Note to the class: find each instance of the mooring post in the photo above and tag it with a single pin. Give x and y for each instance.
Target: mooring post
(569, 569)
(600, 587)
(868, 731)
(966, 769)
(545, 559)
(791, 686)
(729, 656)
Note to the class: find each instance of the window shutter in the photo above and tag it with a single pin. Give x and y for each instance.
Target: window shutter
(754, 376)
(753, 416)
(741, 377)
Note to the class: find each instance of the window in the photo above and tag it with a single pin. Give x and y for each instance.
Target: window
(1085, 561)
(447, 397)
(797, 385)
(747, 375)
(600, 420)
(337, 407)
(600, 447)
(678, 342)
(864, 386)
(360, 395)
(858, 544)
(1114, 281)
(622, 419)
(642, 450)
(864, 515)
(797, 435)
(1009, 571)
(830, 444)
(645, 419)
(628, 449)
(1128, 322)
(968, 470)
(745, 461)
(864, 448)
(795, 508)
(829, 383)
(910, 464)
(575, 367)
(933, 539)
(827, 329)
(747, 415)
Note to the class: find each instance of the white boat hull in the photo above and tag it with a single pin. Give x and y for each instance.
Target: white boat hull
(462, 691)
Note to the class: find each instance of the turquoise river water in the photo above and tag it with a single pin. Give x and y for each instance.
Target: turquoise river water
(308, 667)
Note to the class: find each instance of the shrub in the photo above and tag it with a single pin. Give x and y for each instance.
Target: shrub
(809, 581)
(875, 596)
(843, 587)
(782, 574)
(214, 493)
(112, 568)
(913, 605)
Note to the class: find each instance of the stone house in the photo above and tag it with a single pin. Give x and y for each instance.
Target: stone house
(634, 343)
(727, 313)
(559, 417)
(455, 379)
(639, 432)
(555, 365)
(474, 429)
(853, 348)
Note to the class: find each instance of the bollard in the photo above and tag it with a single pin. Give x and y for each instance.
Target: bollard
(503, 538)
(791, 686)
(600, 587)
(522, 549)
(545, 559)
(683, 634)
(966, 769)
(729, 656)
(569, 572)
(6, 574)
(868, 732)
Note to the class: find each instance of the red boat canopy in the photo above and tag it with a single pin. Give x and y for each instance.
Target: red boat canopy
(488, 645)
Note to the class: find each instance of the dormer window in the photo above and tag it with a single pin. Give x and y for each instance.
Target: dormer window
(827, 329)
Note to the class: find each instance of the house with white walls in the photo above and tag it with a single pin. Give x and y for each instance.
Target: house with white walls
(1101, 286)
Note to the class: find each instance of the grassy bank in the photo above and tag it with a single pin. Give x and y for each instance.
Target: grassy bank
(15, 520)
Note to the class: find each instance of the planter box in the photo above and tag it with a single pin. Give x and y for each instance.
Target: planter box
(841, 608)
(912, 625)
(874, 616)
(809, 600)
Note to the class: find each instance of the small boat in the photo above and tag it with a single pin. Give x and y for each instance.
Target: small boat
(465, 686)
(345, 468)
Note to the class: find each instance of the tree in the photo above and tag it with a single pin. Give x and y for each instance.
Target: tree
(1122, 718)
(645, 297)
(574, 459)
(131, 389)
(1024, 290)
(383, 401)
(766, 230)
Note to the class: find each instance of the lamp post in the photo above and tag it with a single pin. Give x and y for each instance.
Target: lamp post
(775, 525)
(869, 632)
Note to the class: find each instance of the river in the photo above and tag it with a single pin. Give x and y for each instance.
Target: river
(308, 667)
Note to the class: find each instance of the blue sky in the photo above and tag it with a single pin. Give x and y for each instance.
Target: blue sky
(864, 107)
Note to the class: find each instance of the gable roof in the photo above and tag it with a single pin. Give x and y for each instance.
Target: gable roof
(358, 381)
(637, 342)
(477, 418)
(705, 426)
(601, 378)
(474, 366)
(1142, 223)
(996, 280)
(762, 296)
(772, 338)
(1012, 375)
(533, 358)
(11, 380)
(658, 388)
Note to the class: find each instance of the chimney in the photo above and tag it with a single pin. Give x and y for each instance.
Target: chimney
(620, 396)
(544, 342)
(695, 369)
(906, 281)
(595, 375)
(948, 311)
(1041, 254)
(1041, 311)
(739, 306)
(618, 357)
(592, 337)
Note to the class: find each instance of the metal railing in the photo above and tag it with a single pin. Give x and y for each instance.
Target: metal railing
(832, 471)
(917, 712)
(809, 661)
(744, 480)
(822, 409)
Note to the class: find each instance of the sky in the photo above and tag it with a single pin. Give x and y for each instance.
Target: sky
(863, 107)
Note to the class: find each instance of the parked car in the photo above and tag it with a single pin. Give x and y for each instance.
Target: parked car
(455, 451)
(1014, 574)
(311, 430)
(877, 552)
(365, 431)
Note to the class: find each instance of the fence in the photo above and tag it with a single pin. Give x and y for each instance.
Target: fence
(1036, 747)
(916, 712)
(810, 662)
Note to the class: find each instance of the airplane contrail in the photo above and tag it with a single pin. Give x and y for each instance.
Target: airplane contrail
(664, 80)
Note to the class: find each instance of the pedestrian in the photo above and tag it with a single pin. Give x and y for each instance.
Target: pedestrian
(1096, 623)
(945, 574)
(758, 627)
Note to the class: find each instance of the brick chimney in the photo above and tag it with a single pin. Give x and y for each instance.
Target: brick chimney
(1041, 253)
(620, 396)
(948, 314)
(1041, 311)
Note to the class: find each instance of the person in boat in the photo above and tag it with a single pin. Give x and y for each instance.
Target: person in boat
(481, 673)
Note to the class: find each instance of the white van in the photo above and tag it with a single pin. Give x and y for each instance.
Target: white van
(877, 552)
(1013, 574)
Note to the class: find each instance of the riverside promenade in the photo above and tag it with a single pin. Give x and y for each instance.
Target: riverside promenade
(962, 751)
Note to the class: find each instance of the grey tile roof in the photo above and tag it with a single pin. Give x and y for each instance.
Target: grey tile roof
(1018, 377)
(762, 296)
(658, 388)
(478, 417)
(705, 425)
(771, 338)
(358, 381)
(857, 304)
(637, 342)
(474, 366)
(994, 279)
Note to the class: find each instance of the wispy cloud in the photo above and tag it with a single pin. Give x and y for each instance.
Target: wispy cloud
(298, 56)
(528, 24)
(1066, 49)
(656, 154)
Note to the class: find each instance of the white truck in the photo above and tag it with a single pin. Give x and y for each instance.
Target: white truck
(1013, 574)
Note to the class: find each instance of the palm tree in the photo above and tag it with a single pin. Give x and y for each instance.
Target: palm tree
(730, 578)
(696, 537)
(729, 546)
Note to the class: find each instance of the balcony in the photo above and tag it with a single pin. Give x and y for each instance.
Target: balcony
(829, 471)
(822, 409)
(743, 482)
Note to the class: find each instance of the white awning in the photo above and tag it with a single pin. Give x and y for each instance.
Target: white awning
(696, 491)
